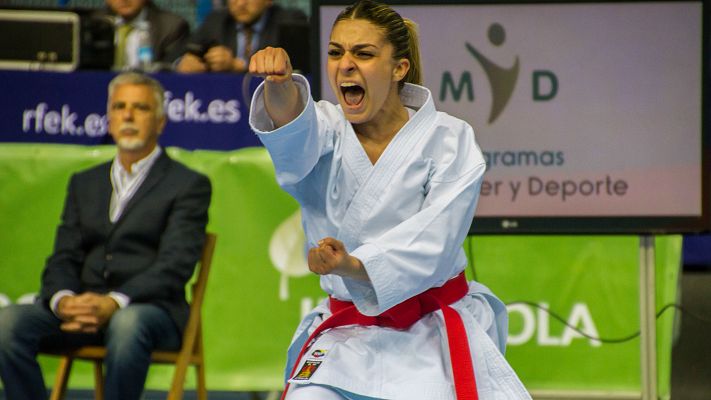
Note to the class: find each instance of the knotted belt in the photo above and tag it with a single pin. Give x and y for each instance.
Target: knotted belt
(404, 315)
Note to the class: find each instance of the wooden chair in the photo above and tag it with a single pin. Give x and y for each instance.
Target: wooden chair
(191, 351)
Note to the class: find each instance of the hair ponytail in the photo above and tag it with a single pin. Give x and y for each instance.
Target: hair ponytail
(414, 75)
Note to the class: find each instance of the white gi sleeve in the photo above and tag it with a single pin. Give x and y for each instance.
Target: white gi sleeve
(296, 147)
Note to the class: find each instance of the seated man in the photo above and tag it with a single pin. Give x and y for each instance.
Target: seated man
(131, 233)
(228, 37)
(168, 31)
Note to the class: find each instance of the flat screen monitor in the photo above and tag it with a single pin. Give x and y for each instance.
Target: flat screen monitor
(592, 116)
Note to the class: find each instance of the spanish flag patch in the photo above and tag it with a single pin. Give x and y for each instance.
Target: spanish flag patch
(307, 370)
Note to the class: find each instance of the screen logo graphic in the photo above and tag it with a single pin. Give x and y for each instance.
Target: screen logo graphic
(502, 80)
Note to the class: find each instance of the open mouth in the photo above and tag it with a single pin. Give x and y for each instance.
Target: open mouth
(352, 93)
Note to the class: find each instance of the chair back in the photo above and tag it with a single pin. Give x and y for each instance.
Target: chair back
(191, 351)
(198, 292)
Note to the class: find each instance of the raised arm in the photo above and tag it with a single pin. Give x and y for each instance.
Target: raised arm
(281, 97)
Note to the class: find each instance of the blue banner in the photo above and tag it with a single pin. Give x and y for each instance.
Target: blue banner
(204, 111)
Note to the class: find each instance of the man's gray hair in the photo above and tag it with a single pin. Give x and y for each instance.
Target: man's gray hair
(138, 78)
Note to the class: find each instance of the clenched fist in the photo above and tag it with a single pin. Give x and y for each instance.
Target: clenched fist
(331, 257)
(272, 63)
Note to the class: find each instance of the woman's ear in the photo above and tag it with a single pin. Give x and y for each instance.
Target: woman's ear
(401, 68)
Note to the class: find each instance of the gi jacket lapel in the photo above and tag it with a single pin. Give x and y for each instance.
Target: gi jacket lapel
(376, 178)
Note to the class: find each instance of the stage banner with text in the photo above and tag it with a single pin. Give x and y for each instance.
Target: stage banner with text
(260, 285)
(204, 111)
(573, 305)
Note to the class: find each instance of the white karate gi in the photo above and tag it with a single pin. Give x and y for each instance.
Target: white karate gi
(405, 218)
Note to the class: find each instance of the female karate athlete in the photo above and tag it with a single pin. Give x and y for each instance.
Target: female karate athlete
(387, 187)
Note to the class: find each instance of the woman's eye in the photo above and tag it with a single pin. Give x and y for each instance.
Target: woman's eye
(334, 53)
(365, 54)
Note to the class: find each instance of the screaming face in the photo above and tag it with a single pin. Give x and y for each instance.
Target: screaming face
(362, 72)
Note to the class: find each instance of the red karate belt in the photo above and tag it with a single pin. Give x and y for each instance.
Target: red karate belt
(404, 315)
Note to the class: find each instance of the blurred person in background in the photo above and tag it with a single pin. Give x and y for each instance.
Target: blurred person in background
(130, 235)
(168, 31)
(228, 37)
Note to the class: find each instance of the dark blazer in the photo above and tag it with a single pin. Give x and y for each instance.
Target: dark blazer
(148, 254)
(220, 28)
(169, 32)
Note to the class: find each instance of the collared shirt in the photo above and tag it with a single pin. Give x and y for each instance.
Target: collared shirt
(257, 28)
(131, 47)
(125, 184)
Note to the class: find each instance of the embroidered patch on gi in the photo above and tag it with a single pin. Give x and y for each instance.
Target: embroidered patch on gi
(318, 353)
(307, 370)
